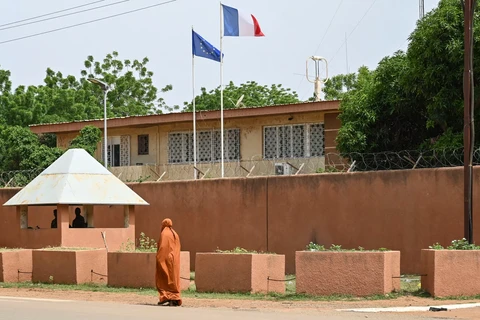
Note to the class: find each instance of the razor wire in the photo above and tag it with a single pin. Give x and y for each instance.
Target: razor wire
(260, 167)
(18, 178)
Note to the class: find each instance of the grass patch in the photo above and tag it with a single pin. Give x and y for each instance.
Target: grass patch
(91, 287)
(239, 250)
(475, 297)
(10, 249)
(409, 287)
(67, 249)
(315, 247)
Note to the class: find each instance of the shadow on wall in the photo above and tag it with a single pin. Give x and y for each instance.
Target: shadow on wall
(403, 210)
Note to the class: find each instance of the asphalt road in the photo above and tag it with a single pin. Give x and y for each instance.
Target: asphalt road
(12, 308)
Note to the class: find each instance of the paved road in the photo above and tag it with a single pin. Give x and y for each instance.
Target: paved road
(39, 309)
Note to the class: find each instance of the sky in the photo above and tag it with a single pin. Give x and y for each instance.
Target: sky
(294, 31)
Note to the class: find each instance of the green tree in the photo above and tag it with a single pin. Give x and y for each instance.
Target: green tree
(336, 87)
(435, 56)
(88, 139)
(20, 149)
(412, 100)
(133, 90)
(254, 95)
(66, 98)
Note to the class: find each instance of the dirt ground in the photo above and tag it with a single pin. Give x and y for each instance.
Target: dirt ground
(281, 306)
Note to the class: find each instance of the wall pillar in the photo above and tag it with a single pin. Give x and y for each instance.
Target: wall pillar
(88, 210)
(22, 216)
(128, 216)
(131, 210)
(63, 221)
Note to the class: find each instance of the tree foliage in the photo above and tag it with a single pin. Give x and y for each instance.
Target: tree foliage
(66, 98)
(412, 100)
(336, 87)
(133, 90)
(20, 149)
(88, 139)
(254, 95)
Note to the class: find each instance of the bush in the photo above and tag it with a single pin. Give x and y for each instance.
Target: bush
(335, 247)
(239, 250)
(456, 245)
(145, 244)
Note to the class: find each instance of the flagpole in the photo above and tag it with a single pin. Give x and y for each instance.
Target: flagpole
(194, 118)
(221, 87)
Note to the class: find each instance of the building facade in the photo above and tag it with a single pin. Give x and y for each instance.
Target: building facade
(282, 139)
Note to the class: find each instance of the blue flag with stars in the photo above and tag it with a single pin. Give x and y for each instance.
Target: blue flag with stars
(202, 48)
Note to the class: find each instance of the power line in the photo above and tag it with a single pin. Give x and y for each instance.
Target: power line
(355, 28)
(64, 15)
(323, 37)
(84, 23)
(329, 25)
(49, 14)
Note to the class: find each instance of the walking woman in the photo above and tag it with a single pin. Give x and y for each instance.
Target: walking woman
(167, 274)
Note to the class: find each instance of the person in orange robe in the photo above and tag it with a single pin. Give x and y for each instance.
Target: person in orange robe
(167, 276)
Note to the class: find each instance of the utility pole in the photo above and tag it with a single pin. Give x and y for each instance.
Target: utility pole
(469, 129)
(421, 8)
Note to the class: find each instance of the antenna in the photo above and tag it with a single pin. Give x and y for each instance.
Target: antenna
(317, 81)
(346, 53)
(421, 8)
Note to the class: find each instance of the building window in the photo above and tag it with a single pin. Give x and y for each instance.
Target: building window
(118, 151)
(143, 144)
(180, 146)
(293, 141)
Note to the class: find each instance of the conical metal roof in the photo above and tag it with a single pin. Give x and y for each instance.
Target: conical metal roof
(76, 178)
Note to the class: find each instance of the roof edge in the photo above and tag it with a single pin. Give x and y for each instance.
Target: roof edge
(76, 204)
(156, 119)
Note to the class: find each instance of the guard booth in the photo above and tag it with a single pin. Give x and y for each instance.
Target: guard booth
(75, 179)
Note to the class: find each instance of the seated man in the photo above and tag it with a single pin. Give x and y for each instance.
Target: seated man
(54, 221)
(79, 221)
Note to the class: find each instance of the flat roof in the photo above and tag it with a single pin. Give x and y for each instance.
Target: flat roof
(130, 121)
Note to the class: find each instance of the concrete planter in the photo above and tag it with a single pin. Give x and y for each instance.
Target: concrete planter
(69, 267)
(137, 269)
(350, 273)
(450, 272)
(225, 272)
(16, 265)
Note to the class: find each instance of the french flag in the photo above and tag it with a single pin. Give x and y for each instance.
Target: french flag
(239, 24)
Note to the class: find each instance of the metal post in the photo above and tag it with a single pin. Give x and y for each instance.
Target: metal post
(105, 87)
(194, 119)
(221, 90)
(105, 128)
(469, 130)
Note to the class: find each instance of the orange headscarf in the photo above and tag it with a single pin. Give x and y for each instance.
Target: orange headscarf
(167, 223)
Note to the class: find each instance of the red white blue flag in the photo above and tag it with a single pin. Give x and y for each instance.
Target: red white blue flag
(239, 24)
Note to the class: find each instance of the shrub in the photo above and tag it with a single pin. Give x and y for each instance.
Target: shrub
(146, 244)
(335, 247)
(456, 245)
(239, 250)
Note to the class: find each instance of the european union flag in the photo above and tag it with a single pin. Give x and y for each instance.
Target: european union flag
(202, 48)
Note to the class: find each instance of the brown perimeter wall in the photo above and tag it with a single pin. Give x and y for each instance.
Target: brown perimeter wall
(401, 210)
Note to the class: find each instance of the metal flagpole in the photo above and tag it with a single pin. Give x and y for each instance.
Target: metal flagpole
(194, 118)
(221, 87)
(469, 129)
